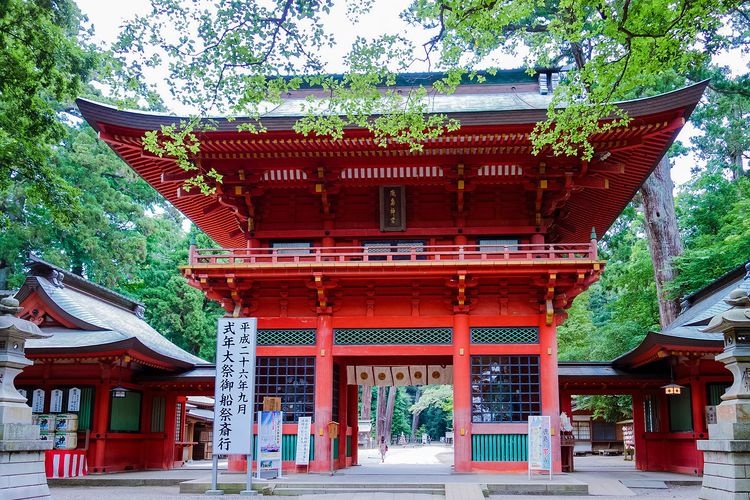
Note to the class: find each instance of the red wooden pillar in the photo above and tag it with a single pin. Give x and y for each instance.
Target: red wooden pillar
(549, 386)
(461, 393)
(566, 404)
(343, 418)
(698, 404)
(147, 399)
(353, 400)
(323, 394)
(639, 432)
(101, 424)
(170, 427)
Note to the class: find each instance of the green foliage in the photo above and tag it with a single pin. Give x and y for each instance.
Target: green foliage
(435, 408)
(437, 396)
(121, 234)
(178, 311)
(714, 217)
(401, 418)
(617, 311)
(607, 408)
(239, 58)
(725, 122)
(43, 66)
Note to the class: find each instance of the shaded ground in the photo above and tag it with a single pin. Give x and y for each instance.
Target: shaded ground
(608, 477)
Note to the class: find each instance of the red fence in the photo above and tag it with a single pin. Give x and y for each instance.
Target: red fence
(401, 252)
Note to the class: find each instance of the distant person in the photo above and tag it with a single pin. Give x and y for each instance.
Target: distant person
(383, 448)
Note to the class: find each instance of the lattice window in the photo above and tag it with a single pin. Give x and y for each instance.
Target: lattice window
(286, 337)
(336, 394)
(290, 378)
(374, 249)
(178, 423)
(158, 413)
(497, 245)
(505, 335)
(505, 388)
(582, 430)
(374, 336)
(291, 247)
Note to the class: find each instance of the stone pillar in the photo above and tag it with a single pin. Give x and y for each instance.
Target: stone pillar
(21, 451)
(726, 455)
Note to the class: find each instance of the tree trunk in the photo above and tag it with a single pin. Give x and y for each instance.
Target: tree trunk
(389, 413)
(3, 275)
(664, 242)
(380, 412)
(416, 414)
(366, 411)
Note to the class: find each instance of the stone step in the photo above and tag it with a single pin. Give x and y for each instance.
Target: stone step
(465, 491)
(294, 492)
(305, 488)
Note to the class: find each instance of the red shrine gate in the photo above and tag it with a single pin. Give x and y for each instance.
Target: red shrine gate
(360, 261)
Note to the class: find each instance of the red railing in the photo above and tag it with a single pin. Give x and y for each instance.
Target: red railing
(399, 253)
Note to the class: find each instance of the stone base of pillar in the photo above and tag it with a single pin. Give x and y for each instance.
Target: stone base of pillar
(22, 462)
(726, 469)
(22, 475)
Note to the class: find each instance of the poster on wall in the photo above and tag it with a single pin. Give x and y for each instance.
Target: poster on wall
(55, 401)
(540, 444)
(235, 382)
(269, 444)
(74, 399)
(302, 457)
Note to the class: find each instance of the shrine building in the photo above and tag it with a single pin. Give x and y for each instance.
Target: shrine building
(102, 385)
(370, 265)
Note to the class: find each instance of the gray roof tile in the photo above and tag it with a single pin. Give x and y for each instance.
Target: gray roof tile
(111, 324)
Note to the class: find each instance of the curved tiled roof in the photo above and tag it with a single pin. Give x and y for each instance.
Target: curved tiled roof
(100, 322)
(687, 329)
(495, 127)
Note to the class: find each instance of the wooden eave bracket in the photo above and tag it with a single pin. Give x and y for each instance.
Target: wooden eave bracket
(321, 287)
(549, 310)
(461, 283)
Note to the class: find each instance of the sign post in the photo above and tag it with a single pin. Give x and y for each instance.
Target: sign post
(540, 444)
(333, 432)
(234, 394)
(302, 456)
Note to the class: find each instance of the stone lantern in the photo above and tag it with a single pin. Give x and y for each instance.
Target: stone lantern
(21, 451)
(726, 454)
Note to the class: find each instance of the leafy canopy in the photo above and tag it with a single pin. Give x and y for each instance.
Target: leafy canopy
(43, 67)
(239, 58)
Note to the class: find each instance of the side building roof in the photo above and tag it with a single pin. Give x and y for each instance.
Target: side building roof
(94, 318)
(686, 331)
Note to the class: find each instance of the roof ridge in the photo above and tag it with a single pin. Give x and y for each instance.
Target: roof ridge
(60, 277)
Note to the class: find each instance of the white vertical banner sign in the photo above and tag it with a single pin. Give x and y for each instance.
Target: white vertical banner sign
(540, 444)
(302, 457)
(37, 401)
(74, 399)
(55, 401)
(235, 382)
